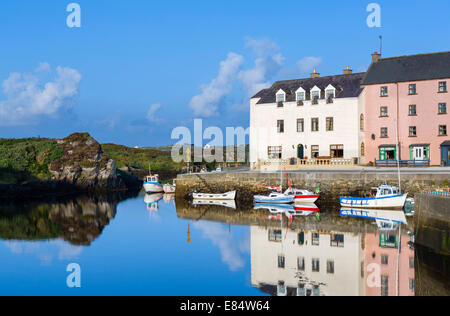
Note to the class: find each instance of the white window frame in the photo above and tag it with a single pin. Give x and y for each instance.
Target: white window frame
(300, 90)
(280, 92)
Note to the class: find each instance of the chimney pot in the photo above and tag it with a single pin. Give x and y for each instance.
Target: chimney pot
(375, 57)
(315, 74)
(348, 71)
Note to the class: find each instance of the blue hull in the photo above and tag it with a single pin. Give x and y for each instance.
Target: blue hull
(283, 200)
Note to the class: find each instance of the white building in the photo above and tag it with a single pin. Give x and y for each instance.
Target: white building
(307, 263)
(308, 118)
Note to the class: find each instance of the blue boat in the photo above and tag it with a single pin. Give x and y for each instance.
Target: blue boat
(274, 198)
(387, 197)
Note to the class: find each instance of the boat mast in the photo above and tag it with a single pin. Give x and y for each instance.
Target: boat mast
(398, 157)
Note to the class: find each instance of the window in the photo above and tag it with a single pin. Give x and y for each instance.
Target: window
(329, 124)
(315, 265)
(384, 260)
(315, 124)
(361, 123)
(412, 110)
(315, 239)
(281, 262)
(275, 235)
(412, 131)
(384, 91)
(329, 95)
(300, 96)
(300, 125)
(281, 288)
(412, 89)
(274, 152)
(280, 126)
(301, 238)
(330, 267)
(442, 108)
(301, 264)
(337, 240)
(411, 263)
(281, 97)
(315, 95)
(384, 132)
(442, 130)
(314, 151)
(443, 86)
(384, 286)
(337, 151)
(363, 150)
(411, 285)
(384, 111)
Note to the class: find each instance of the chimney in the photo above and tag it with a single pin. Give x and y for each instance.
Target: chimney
(315, 74)
(348, 71)
(375, 57)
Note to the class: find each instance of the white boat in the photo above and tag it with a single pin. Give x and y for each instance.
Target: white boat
(170, 188)
(209, 196)
(152, 185)
(387, 197)
(225, 203)
(274, 198)
(303, 196)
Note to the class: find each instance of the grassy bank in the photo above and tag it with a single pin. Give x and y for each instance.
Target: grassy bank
(27, 159)
(140, 158)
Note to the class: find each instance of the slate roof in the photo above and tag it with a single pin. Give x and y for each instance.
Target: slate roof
(347, 86)
(409, 68)
(446, 143)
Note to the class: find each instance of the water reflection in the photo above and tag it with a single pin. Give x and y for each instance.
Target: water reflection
(301, 250)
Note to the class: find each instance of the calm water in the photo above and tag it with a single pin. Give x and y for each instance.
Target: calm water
(142, 246)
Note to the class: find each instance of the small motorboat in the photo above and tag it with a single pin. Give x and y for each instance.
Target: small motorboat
(170, 188)
(274, 198)
(225, 203)
(303, 196)
(152, 185)
(209, 196)
(387, 197)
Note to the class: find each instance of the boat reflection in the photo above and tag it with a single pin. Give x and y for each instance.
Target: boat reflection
(225, 203)
(151, 201)
(386, 219)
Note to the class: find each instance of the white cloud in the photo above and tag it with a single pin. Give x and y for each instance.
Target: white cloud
(27, 97)
(307, 64)
(267, 64)
(151, 114)
(206, 104)
(231, 252)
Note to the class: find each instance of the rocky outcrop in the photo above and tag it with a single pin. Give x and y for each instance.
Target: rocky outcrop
(84, 165)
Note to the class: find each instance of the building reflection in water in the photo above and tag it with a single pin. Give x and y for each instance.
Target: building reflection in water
(327, 262)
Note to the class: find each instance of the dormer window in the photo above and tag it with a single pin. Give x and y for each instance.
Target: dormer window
(330, 93)
(300, 96)
(280, 98)
(315, 95)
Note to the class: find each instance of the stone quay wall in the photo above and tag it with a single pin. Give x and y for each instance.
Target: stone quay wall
(332, 183)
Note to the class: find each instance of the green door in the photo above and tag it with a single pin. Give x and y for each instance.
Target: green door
(300, 154)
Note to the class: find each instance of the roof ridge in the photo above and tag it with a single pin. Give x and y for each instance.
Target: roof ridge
(340, 75)
(412, 55)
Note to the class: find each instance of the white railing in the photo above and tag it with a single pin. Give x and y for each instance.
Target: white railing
(297, 164)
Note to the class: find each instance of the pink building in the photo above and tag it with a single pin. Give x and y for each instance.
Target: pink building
(394, 267)
(408, 95)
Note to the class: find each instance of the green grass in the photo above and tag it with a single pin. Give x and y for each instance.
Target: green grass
(27, 159)
(140, 158)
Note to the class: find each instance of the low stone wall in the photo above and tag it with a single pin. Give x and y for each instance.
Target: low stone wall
(432, 222)
(332, 183)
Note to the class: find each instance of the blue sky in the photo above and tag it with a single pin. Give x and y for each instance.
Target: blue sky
(137, 69)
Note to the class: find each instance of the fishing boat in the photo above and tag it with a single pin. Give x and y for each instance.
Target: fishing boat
(209, 196)
(152, 185)
(170, 188)
(387, 197)
(225, 203)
